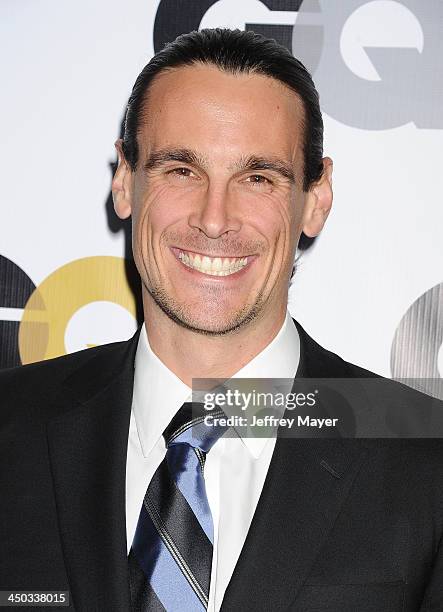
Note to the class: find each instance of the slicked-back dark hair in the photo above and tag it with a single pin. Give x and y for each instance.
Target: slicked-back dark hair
(233, 51)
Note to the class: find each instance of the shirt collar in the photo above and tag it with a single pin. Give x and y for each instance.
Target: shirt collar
(159, 393)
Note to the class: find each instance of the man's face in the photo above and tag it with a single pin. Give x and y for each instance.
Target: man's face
(217, 198)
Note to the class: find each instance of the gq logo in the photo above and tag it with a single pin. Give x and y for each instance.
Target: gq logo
(368, 77)
(85, 302)
(422, 325)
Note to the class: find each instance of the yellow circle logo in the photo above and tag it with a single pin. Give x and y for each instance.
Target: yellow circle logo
(55, 301)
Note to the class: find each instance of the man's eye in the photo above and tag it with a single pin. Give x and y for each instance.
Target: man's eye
(258, 179)
(181, 172)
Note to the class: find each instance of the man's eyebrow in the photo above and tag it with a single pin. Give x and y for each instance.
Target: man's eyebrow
(183, 156)
(251, 163)
(263, 163)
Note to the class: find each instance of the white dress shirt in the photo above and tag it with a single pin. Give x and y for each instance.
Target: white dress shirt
(235, 467)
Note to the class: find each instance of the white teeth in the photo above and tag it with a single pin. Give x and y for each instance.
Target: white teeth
(206, 263)
(213, 266)
(217, 264)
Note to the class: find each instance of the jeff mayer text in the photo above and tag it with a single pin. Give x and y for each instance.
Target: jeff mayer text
(268, 421)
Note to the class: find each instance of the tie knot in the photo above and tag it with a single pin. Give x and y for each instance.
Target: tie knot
(188, 426)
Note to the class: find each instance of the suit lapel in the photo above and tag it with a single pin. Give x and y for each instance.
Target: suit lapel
(87, 448)
(300, 501)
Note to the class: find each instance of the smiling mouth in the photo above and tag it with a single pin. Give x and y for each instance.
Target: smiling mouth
(213, 266)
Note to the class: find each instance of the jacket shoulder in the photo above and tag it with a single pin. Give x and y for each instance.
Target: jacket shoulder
(28, 391)
(319, 362)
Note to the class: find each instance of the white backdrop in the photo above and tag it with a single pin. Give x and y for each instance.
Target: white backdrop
(66, 72)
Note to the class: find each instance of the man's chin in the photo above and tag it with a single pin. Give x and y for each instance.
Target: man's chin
(220, 320)
(220, 325)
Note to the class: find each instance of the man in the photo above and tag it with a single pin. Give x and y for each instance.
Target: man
(221, 168)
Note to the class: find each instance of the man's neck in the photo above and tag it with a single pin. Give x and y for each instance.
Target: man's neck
(190, 354)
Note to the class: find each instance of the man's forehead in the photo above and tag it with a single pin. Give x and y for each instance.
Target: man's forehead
(201, 106)
(209, 83)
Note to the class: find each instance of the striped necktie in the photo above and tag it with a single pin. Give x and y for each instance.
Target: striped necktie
(171, 554)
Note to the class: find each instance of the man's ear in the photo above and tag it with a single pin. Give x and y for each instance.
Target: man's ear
(121, 184)
(318, 202)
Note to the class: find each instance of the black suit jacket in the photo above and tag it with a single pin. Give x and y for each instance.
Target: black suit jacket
(342, 525)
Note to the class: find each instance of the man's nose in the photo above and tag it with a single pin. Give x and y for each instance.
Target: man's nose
(216, 212)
